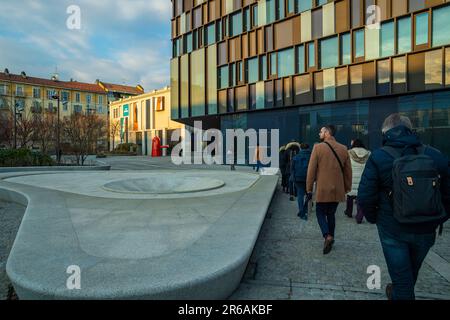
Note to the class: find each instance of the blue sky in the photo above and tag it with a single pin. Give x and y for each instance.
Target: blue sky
(120, 41)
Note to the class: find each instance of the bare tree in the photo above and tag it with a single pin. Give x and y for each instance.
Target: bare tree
(25, 128)
(83, 132)
(44, 130)
(114, 129)
(6, 128)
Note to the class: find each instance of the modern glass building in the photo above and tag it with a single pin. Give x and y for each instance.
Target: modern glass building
(296, 65)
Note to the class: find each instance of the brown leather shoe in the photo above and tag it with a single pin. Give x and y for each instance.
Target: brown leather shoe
(389, 288)
(328, 245)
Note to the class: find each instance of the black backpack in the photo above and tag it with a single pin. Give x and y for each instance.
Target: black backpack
(416, 195)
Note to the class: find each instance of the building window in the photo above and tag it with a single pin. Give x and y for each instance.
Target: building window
(77, 97)
(356, 81)
(301, 59)
(50, 94)
(235, 24)
(356, 13)
(421, 36)
(223, 77)
(160, 103)
(100, 100)
(252, 70)
(263, 68)
(273, 64)
(304, 5)
(36, 93)
(433, 69)
(346, 49)
(399, 74)
(270, 11)
(317, 24)
(384, 76)
(210, 34)
(415, 5)
(64, 96)
(329, 56)
(268, 94)
(286, 63)
(404, 35)
(359, 43)
(441, 35)
(88, 99)
(311, 55)
(2, 89)
(387, 39)
(19, 91)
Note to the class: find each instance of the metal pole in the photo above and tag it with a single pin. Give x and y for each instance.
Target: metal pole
(15, 126)
(58, 139)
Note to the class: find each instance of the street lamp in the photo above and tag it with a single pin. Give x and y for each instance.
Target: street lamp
(58, 146)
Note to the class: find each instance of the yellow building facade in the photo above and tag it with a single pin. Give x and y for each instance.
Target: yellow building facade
(141, 118)
(35, 95)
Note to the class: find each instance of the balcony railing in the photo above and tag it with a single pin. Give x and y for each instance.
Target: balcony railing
(20, 94)
(3, 92)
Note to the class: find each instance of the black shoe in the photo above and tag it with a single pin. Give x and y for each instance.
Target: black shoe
(389, 288)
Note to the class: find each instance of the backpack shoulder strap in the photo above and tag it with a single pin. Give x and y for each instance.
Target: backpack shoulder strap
(393, 152)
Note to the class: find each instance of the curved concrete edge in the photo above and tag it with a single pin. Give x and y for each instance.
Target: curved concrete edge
(102, 167)
(220, 282)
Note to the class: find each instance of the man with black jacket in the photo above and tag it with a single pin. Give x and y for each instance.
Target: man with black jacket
(405, 246)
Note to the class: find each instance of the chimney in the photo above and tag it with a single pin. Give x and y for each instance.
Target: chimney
(7, 71)
(23, 74)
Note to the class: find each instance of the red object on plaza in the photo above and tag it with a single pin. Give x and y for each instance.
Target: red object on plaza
(157, 147)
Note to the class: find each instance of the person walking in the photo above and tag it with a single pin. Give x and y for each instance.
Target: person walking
(292, 149)
(405, 191)
(299, 171)
(330, 168)
(257, 158)
(358, 158)
(231, 160)
(284, 182)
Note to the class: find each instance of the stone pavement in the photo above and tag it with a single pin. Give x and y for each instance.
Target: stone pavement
(10, 217)
(288, 263)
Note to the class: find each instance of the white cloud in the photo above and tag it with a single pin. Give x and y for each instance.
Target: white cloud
(130, 32)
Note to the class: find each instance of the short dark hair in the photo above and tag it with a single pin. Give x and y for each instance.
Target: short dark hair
(331, 129)
(357, 143)
(304, 146)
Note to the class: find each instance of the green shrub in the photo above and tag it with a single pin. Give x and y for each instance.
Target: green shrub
(125, 148)
(24, 158)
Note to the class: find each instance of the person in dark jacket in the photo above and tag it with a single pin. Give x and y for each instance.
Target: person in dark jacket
(284, 179)
(299, 172)
(404, 246)
(291, 151)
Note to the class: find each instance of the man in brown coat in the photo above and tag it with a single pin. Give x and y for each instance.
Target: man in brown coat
(331, 169)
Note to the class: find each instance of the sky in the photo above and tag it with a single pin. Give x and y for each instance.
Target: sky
(119, 41)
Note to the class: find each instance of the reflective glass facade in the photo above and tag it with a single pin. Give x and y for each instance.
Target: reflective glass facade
(254, 58)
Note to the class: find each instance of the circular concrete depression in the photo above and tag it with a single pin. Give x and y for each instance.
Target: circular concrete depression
(163, 185)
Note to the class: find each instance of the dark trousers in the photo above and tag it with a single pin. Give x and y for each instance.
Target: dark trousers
(292, 188)
(349, 209)
(302, 204)
(325, 212)
(284, 180)
(258, 166)
(404, 254)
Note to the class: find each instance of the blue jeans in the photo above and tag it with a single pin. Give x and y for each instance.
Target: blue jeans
(326, 217)
(258, 166)
(302, 204)
(404, 254)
